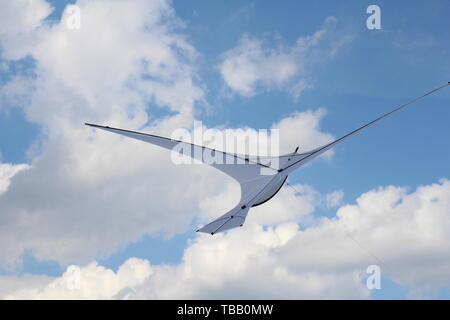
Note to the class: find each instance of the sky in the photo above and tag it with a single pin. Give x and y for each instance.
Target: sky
(123, 216)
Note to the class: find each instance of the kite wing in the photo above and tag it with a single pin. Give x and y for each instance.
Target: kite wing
(252, 175)
(236, 216)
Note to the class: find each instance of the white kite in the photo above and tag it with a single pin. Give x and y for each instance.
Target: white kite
(256, 187)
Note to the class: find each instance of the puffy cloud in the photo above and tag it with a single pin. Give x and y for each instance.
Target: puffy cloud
(247, 64)
(404, 232)
(125, 55)
(90, 282)
(243, 264)
(20, 25)
(88, 193)
(252, 66)
(240, 265)
(128, 57)
(97, 188)
(302, 129)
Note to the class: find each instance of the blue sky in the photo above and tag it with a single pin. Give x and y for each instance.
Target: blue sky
(369, 73)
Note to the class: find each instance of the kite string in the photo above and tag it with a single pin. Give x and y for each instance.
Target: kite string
(331, 144)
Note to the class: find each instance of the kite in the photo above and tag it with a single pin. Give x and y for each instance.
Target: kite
(256, 187)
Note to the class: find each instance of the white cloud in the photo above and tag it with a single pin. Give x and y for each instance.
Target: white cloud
(406, 231)
(247, 64)
(92, 282)
(252, 66)
(231, 266)
(302, 129)
(88, 193)
(21, 22)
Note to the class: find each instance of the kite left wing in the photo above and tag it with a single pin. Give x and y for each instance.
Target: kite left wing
(246, 170)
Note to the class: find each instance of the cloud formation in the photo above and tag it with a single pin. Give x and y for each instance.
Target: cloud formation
(253, 66)
(404, 232)
(87, 193)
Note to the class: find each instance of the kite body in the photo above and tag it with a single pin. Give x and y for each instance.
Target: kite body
(260, 178)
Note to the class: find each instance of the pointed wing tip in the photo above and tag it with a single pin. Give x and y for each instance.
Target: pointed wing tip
(96, 125)
(218, 226)
(200, 230)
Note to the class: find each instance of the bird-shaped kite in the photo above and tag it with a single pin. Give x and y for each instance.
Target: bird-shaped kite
(257, 185)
